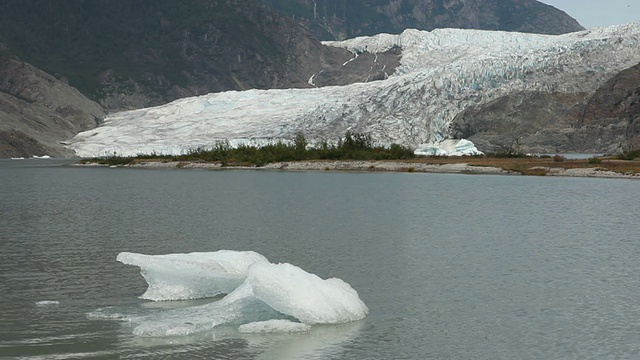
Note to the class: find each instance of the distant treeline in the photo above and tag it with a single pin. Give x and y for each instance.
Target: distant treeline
(354, 146)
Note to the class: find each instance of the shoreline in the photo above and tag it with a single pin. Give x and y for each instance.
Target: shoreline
(454, 167)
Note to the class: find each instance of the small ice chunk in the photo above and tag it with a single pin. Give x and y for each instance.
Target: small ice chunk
(273, 326)
(47, 302)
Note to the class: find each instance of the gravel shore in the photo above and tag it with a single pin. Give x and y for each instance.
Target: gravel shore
(389, 166)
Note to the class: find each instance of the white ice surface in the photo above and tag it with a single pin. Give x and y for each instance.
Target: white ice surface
(273, 326)
(308, 298)
(47, 302)
(191, 276)
(448, 147)
(441, 73)
(272, 297)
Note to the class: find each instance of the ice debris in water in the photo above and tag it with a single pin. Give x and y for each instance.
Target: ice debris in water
(262, 297)
(47, 302)
(270, 326)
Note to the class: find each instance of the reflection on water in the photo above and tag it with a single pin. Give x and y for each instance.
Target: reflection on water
(321, 342)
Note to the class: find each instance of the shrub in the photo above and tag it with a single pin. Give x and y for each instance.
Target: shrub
(594, 160)
(559, 158)
(354, 146)
(629, 155)
(630, 149)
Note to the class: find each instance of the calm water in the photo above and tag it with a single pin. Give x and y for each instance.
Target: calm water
(451, 266)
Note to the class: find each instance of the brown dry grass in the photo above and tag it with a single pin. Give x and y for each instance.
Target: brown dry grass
(537, 165)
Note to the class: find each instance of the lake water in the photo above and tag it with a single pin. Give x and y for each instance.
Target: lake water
(450, 266)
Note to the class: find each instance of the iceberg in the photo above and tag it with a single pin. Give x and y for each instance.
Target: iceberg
(191, 276)
(260, 296)
(441, 73)
(451, 147)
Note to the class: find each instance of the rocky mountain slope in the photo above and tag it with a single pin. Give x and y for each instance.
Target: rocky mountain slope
(606, 120)
(441, 74)
(131, 54)
(134, 54)
(613, 112)
(38, 111)
(342, 19)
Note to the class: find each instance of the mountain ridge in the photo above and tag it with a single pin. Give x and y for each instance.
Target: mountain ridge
(343, 19)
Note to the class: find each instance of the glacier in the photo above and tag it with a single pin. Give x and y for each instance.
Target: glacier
(441, 73)
(259, 296)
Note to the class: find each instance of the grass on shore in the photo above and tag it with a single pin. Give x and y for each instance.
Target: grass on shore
(353, 146)
(361, 147)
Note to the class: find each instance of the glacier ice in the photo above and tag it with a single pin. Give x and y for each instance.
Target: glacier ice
(191, 276)
(449, 147)
(261, 296)
(441, 73)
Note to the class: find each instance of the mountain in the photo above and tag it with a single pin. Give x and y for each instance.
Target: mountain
(342, 19)
(442, 74)
(132, 54)
(38, 111)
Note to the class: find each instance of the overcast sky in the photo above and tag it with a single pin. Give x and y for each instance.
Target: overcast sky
(595, 13)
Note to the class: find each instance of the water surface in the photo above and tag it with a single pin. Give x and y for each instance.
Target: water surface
(451, 266)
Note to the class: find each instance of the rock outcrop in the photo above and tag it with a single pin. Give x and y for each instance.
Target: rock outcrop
(133, 54)
(612, 114)
(538, 122)
(342, 19)
(38, 111)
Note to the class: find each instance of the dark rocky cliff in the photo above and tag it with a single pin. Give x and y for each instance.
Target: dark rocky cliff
(37, 111)
(132, 54)
(340, 19)
(612, 114)
(536, 122)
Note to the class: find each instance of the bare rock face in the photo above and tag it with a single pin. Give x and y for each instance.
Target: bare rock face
(38, 111)
(133, 54)
(533, 122)
(361, 68)
(537, 122)
(613, 112)
(341, 19)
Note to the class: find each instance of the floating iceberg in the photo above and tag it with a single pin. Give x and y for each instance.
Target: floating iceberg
(191, 276)
(47, 302)
(261, 296)
(449, 147)
(442, 72)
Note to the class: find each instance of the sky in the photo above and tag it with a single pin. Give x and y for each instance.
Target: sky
(596, 13)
